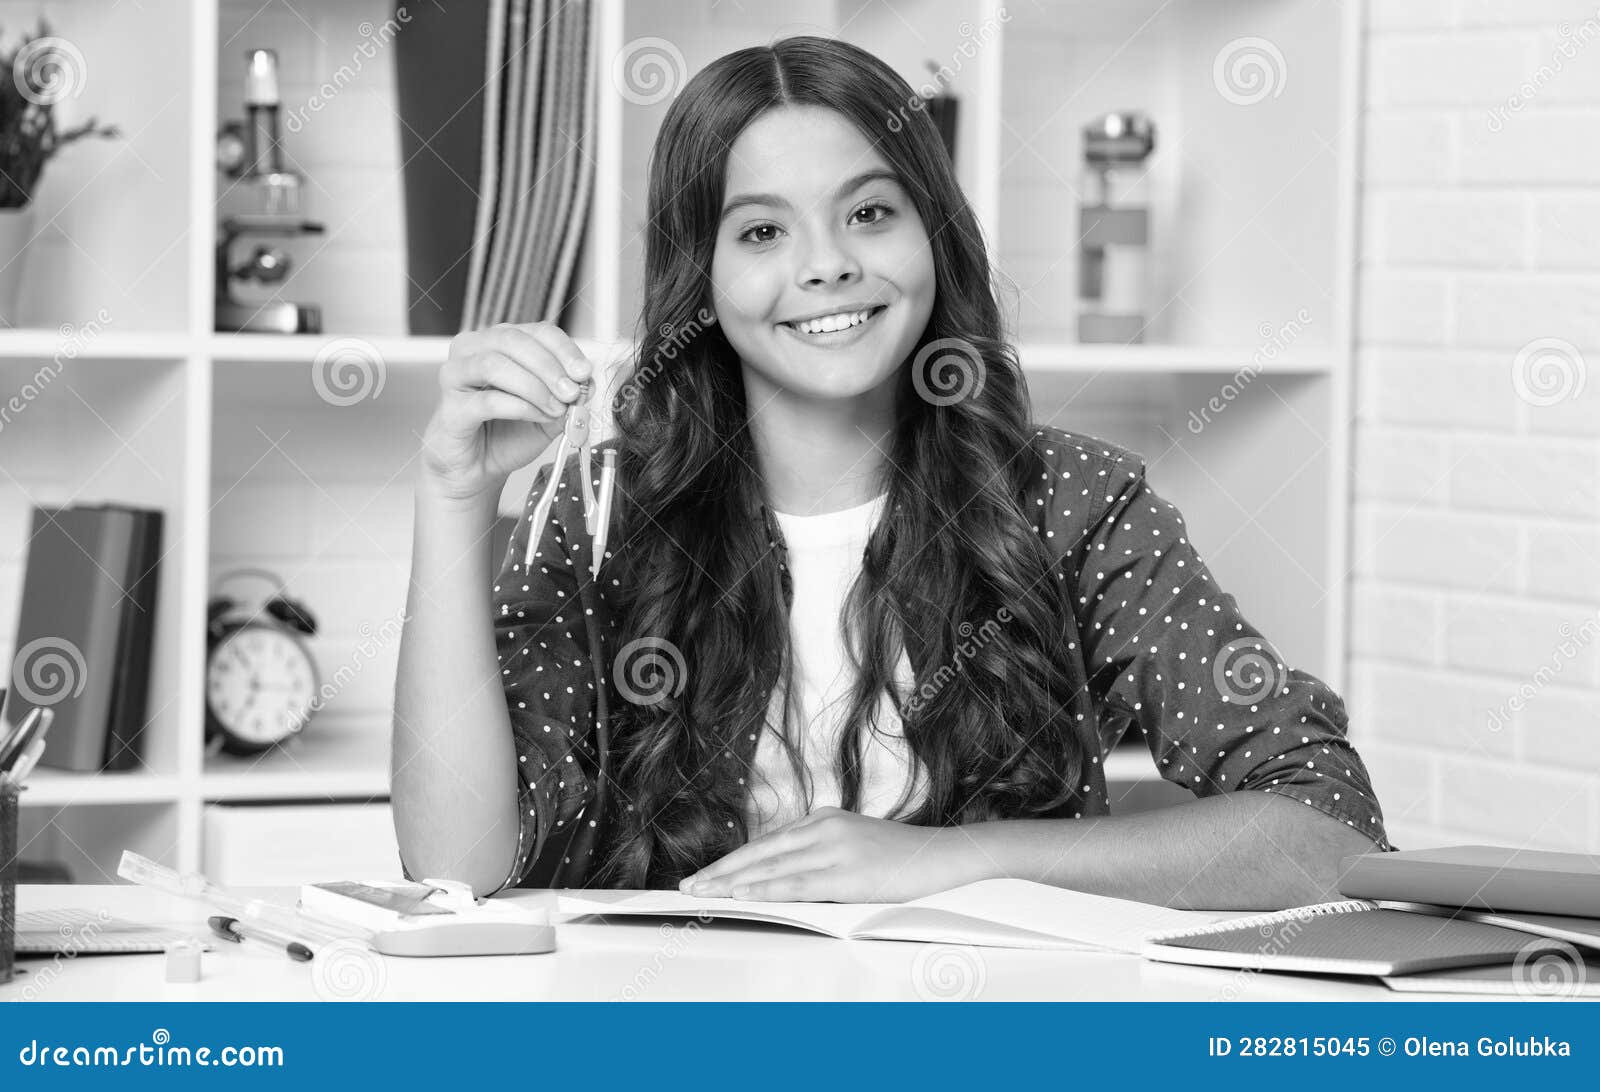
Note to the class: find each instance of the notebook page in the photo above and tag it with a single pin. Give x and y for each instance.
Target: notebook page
(1095, 921)
(946, 927)
(834, 919)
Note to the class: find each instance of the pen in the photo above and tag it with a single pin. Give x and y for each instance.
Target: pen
(234, 930)
(24, 765)
(15, 736)
(34, 726)
(7, 734)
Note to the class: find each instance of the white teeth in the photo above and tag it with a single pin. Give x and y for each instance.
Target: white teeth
(830, 323)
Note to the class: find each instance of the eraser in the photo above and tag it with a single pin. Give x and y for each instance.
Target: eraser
(183, 961)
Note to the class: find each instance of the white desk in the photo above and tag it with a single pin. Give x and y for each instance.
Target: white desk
(656, 959)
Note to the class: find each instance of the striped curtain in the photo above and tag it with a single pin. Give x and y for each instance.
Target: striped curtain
(537, 174)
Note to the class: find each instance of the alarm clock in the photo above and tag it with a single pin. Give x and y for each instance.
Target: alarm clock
(261, 682)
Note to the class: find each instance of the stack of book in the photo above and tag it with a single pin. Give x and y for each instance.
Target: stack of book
(1460, 919)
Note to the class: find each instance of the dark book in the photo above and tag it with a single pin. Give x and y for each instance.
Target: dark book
(1500, 879)
(82, 643)
(131, 684)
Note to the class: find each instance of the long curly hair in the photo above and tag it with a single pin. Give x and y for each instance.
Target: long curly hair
(700, 585)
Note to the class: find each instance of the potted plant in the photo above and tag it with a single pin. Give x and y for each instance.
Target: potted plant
(34, 77)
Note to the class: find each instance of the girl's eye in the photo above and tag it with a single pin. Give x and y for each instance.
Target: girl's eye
(877, 206)
(745, 237)
(883, 211)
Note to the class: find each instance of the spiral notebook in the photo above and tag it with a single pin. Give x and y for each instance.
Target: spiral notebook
(75, 932)
(1356, 936)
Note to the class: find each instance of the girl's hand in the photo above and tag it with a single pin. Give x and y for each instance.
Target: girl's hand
(833, 855)
(506, 390)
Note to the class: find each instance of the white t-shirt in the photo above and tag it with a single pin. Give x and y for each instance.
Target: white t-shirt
(824, 558)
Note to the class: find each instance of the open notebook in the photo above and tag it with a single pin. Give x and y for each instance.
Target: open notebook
(990, 913)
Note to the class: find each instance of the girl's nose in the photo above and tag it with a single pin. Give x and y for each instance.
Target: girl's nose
(826, 262)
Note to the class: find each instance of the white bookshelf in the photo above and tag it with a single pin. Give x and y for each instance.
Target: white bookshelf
(1254, 220)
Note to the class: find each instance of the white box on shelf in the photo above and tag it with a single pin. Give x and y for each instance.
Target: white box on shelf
(291, 844)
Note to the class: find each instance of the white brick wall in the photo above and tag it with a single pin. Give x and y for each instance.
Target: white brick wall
(1475, 648)
(293, 494)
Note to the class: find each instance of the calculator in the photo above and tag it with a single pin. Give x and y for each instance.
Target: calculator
(407, 899)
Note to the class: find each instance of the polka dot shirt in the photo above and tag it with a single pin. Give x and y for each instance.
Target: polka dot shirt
(1160, 650)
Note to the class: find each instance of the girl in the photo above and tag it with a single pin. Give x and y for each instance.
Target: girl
(863, 632)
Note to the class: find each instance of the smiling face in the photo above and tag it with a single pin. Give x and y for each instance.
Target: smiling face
(814, 223)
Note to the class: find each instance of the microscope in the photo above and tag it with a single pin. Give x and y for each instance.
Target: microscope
(1114, 229)
(250, 154)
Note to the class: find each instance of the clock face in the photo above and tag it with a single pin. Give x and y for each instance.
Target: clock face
(260, 683)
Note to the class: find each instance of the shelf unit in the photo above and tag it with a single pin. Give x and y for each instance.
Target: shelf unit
(126, 393)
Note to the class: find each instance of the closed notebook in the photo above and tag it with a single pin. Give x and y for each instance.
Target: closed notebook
(1358, 936)
(1549, 977)
(74, 932)
(1480, 877)
(1003, 913)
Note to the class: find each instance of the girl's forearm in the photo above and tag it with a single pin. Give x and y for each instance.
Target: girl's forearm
(453, 768)
(1238, 851)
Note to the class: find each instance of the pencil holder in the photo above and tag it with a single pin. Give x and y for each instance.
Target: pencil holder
(8, 880)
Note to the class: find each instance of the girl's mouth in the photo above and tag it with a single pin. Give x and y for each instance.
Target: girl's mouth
(836, 338)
